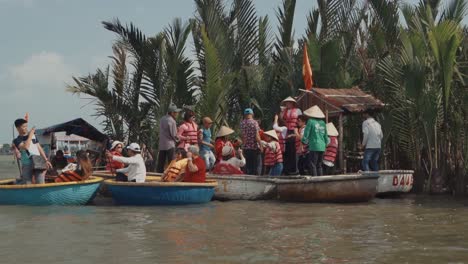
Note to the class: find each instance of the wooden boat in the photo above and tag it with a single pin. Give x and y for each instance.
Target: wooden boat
(243, 187)
(337, 188)
(67, 193)
(394, 182)
(160, 193)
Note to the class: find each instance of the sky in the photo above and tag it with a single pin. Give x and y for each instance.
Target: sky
(44, 43)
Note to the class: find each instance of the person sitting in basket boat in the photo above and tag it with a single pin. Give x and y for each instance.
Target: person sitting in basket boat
(59, 161)
(77, 172)
(222, 140)
(196, 168)
(136, 170)
(116, 150)
(273, 156)
(176, 169)
(229, 164)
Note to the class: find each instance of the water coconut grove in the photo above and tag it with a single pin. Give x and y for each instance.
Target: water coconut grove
(413, 57)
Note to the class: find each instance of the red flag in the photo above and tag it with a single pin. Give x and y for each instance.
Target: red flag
(26, 117)
(307, 70)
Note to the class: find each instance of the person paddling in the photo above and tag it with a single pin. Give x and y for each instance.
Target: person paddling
(136, 170)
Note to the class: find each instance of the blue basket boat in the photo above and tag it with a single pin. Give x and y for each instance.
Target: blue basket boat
(66, 193)
(160, 193)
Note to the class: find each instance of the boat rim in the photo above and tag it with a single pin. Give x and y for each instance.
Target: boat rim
(328, 178)
(93, 179)
(208, 183)
(241, 177)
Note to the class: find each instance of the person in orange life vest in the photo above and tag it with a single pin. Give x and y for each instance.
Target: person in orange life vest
(176, 168)
(188, 131)
(273, 156)
(80, 172)
(289, 116)
(116, 150)
(301, 148)
(331, 151)
(196, 168)
(221, 141)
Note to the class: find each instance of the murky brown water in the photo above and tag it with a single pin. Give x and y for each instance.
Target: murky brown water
(410, 230)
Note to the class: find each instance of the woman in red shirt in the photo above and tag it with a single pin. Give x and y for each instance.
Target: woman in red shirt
(116, 150)
(221, 141)
(196, 168)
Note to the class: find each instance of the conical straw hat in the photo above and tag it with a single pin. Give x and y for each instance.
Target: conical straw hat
(289, 99)
(331, 130)
(224, 131)
(272, 134)
(314, 112)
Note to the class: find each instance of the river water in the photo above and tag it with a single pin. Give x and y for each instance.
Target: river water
(415, 229)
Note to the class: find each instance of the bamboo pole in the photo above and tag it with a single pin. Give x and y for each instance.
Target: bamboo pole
(340, 143)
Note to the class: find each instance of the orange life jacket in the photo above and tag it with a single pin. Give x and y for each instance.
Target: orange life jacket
(69, 176)
(273, 157)
(332, 150)
(290, 118)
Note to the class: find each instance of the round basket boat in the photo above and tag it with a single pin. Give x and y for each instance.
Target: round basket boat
(346, 188)
(393, 182)
(107, 175)
(66, 193)
(160, 193)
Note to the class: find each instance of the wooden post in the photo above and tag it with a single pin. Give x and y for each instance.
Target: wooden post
(340, 144)
(326, 116)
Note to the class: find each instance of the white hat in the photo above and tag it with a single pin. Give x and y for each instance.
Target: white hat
(314, 112)
(227, 150)
(289, 99)
(134, 147)
(224, 131)
(331, 130)
(272, 133)
(115, 143)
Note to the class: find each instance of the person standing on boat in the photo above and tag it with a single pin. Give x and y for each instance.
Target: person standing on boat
(301, 148)
(290, 115)
(371, 142)
(251, 138)
(273, 160)
(136, 170)
(206, 143)
(196, 168)
(188, 131)
(332, 149)
(315, 135)
(28, 146)
(167, 137)
(116, 150)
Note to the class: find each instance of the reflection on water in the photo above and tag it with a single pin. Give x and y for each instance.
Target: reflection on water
(412, 230)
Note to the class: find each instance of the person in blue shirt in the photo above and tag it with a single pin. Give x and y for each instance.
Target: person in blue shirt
(206, 143)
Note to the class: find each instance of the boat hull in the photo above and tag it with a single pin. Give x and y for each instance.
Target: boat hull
(394, 182)
(339, 188)
(241, 187)
(70, 193)
(160, 193)
(107, 175)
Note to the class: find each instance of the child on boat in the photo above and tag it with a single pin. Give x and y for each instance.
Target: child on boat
(302, 149)
(77, 172)
(332, 149)
(273, 156)
(206, 146)
(174, 172)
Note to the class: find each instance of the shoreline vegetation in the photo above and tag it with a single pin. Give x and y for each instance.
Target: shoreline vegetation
(412, 57)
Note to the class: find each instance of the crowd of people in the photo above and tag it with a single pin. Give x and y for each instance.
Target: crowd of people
(299, 143)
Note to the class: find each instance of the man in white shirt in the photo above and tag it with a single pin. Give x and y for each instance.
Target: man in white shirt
(234, 161)
(136, 170)
(372, 142)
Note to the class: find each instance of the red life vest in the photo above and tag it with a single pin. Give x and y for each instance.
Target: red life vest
(332, 150)
(226, 169)
(191, 132)
(290, 118)
(282, 141)
(271, 157)
(69, 176)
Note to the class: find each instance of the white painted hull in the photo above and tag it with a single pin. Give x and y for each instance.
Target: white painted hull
(395, 182)
(243, 187)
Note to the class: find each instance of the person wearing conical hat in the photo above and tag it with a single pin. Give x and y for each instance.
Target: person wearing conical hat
(273, 160)
(332, 148)
(222, 140)
(315, 135)
(230, 165)
(206, 143)
(290, 115)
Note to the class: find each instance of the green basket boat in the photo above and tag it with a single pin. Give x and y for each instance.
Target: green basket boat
(67, 193)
